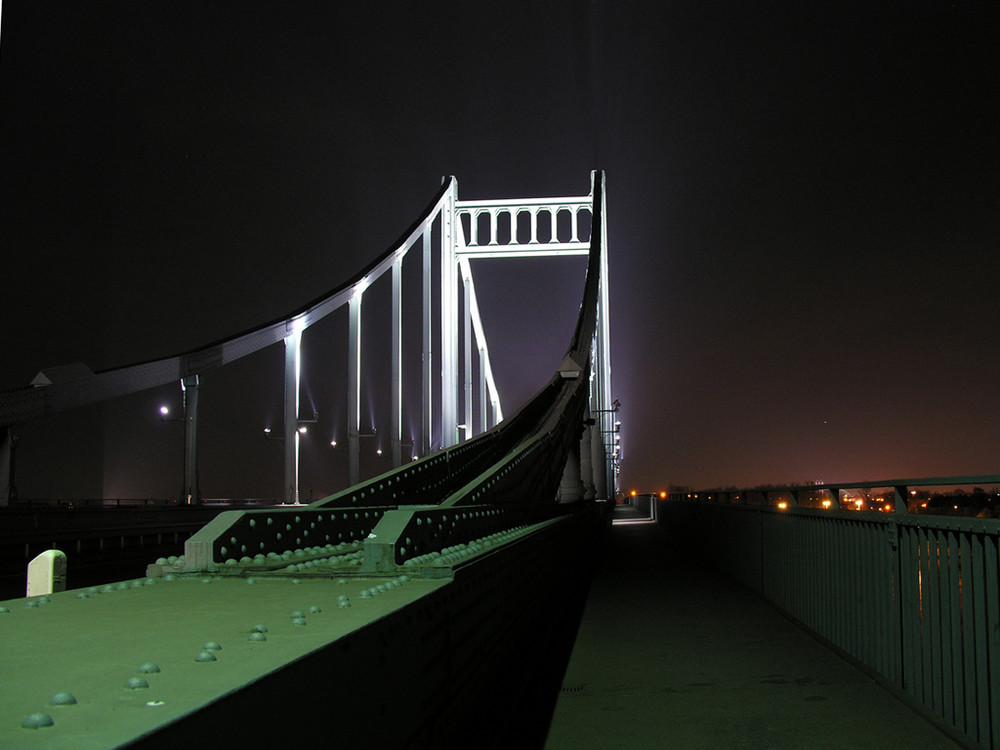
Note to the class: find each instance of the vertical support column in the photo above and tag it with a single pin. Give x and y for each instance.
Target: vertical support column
(396, 418)
(426, 388)
(603, 335)
(449, 324)
(354, 390)
(292, 346)
(483, 398)
(467, 369)
(8, 450)
(192, 492)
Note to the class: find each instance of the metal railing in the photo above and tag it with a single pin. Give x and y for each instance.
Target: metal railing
(913, 597)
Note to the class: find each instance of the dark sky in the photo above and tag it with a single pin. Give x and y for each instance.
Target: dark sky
(802, 204)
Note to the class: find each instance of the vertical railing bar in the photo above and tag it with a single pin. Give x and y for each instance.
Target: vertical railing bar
(858, 634)
(827, 603)
(894, 619)
(927, 629)
(955, 616)
(937, 609)
(968, 633)
(883, 595)
(880, 589)
(838, 582)
(818, 599)
(869, 616)
(947, 671)
(993, 636)
(913, 662)
(981, 626)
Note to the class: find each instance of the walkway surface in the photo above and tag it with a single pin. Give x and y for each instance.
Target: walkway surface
(671, 655)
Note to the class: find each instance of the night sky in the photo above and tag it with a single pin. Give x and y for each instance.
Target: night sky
(802, 205)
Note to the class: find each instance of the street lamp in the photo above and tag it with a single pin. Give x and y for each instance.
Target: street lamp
(302, 427)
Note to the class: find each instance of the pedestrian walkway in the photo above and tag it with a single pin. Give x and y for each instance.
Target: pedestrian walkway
(672, 655)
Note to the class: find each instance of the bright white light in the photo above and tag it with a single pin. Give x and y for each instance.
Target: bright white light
(333, 443)
(379, 451)
(302, 429)
(267, 430)
(164, 410)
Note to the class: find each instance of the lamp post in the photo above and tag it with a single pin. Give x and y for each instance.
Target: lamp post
(301, 428)
(190, 492)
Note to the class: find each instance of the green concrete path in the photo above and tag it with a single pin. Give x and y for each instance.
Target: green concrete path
(670, 655)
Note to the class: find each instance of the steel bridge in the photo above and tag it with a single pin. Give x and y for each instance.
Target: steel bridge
(438, 604)
(400, 600)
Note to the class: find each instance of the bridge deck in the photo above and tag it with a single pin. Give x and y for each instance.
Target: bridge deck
(670, 654)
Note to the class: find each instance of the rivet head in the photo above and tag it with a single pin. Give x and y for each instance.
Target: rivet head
(212, 646)
(136, 683)
(205, 656)
(148, 668)
(62, 699)
(259, 629)
(299, 621)
(257, 637)
(36, 721)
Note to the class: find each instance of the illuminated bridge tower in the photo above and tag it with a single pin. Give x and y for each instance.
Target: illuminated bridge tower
(468, 402)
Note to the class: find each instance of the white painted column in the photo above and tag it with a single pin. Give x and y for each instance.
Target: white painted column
(292, 371)
(427, 382)
(449, 324)
(396, 418)
(354, 390)
(467, 362)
